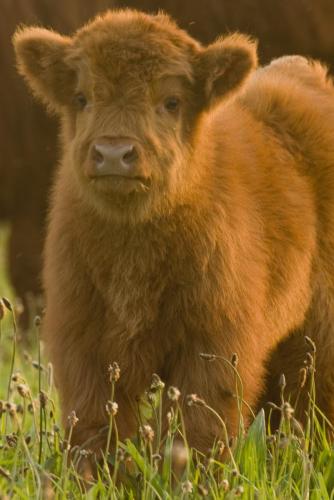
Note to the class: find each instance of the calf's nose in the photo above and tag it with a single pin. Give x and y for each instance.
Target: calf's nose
(116, 158)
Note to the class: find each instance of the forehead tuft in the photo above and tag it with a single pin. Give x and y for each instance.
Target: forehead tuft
(129, 40)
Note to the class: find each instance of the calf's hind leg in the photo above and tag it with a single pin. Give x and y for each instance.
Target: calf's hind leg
(291, 357)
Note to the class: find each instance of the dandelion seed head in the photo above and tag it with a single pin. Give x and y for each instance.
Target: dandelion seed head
(147, 433)
(173, 393)
(114, 372)
(73, 419)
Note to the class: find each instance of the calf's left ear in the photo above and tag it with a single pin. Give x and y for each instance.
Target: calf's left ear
(41, 59)
(224, 65)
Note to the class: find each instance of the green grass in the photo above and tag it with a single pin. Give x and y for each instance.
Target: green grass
(37, 461)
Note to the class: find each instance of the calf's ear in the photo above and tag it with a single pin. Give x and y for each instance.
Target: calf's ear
(224, 65)
(41, 59)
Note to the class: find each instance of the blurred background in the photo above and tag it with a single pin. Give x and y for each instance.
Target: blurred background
(29, 148)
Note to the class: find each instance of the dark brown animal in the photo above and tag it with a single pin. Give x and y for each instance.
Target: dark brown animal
(193, 211)
(29, 150)
(293, 27)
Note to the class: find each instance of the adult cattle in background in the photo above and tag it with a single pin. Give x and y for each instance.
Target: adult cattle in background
(28, 142)
(283, 27)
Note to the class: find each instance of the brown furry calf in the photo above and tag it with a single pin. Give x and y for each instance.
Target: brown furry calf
(193, 211)
(29, 150)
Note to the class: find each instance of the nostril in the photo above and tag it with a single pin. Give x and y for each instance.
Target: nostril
(113, 157)
(130, 156)
(97, 156)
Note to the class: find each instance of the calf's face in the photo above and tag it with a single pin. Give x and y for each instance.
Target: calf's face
(130, 88)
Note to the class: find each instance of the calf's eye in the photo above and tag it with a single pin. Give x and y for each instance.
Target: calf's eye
(80, 100)
(172, 104)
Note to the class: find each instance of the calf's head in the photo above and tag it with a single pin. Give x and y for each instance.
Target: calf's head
(130, 89)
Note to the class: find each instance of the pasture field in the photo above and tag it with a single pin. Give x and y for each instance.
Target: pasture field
(37, 460)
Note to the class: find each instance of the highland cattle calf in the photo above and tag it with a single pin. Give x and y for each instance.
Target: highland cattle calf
(193, 211)
(29, 151)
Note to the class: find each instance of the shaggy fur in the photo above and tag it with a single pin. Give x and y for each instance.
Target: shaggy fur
(29, 150)
(224, 245)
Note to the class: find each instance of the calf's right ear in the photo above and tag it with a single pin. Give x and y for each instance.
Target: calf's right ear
(41, 59)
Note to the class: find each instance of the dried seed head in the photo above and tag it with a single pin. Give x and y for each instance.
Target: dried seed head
(114, 372)
(282, 382)
(19, 409)
(151, 396)
(302, 377)
(156, 384)
(225, 485)
(11, 440)
(271, 439)
(239, 491)
(16, 377)
(173, 393)
(10, 409)
(208, 357)
(31, 407)
(235, 473)
(187, 487)
(112, 408)
(194, 400)
(43, 399)
(37, 321)
(2, 310)
(23, 390)
(235, 360)
(7, 304)
(72, 419)
(311, 344)
(287, 411)
(36, 365)
(147, 433)
(85, 453)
